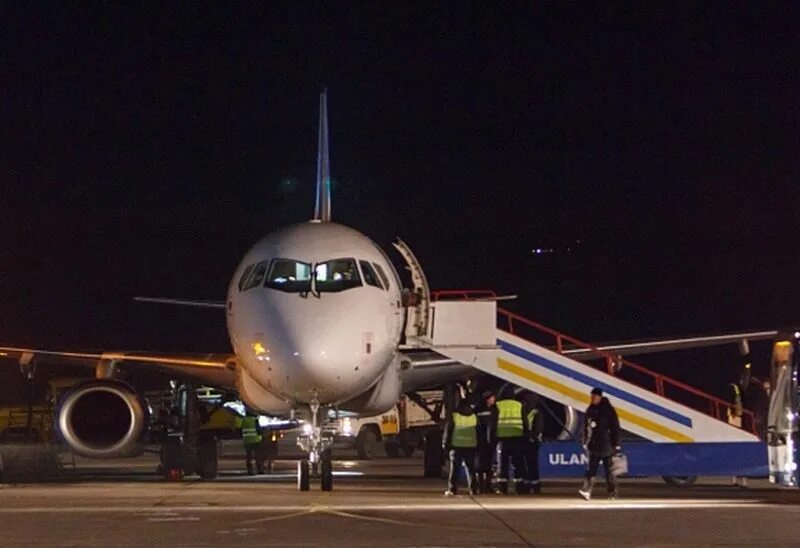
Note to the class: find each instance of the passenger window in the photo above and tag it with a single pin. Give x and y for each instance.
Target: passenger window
(370, 278)
(382, 274)
(336, 275)
(245, 274)
(257, 276)
(289, 275)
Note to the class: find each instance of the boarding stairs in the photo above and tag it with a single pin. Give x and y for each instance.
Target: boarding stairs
(467, 326)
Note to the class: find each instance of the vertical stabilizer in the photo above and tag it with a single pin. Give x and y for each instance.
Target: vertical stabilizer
(322, 209)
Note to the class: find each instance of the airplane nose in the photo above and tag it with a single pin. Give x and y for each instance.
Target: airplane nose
(313, 353)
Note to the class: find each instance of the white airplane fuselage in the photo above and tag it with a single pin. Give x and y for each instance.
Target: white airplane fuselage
(298, 341)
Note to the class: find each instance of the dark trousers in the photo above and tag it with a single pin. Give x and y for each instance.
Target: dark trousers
(483, 466)
(532, 462)
(511, 452)
(594, 464)
(253, 453)
(458, 457)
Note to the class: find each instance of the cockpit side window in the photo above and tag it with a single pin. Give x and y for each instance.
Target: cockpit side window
(370, 278)
(245, 274)
(382, 274)
(336, 275)
(289, 275)
(256, 276)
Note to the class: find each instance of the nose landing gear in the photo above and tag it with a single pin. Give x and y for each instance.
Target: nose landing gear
(317, 444)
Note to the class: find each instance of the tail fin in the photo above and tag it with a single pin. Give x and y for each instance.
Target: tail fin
(322, 210)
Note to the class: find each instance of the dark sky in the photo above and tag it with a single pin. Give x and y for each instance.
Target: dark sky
(146, 149)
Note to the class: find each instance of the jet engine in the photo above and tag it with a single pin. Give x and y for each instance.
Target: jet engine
(103, 419)
(380, 398)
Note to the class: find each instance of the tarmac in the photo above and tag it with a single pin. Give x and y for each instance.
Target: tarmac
(382, 502)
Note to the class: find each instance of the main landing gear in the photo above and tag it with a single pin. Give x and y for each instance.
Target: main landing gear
(317, 444)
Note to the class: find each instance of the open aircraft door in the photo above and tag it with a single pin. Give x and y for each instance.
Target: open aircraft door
(783, 428)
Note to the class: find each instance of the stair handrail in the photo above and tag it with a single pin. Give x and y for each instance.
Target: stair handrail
(614, 363)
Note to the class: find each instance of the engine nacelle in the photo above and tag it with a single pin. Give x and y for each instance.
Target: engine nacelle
(380, 398)
(103, 419)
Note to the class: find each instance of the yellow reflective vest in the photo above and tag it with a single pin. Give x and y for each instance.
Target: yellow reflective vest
(465, 431)
(509, 419)
(250, 435)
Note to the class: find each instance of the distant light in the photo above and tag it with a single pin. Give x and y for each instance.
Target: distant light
(797, 334)
(747, 366)
(307, 428)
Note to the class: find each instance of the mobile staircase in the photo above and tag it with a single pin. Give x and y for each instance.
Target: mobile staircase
(689, 426)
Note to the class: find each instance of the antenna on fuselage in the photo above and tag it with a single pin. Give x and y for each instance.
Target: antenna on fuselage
(322, 209)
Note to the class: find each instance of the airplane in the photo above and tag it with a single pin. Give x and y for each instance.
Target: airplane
(316, 316)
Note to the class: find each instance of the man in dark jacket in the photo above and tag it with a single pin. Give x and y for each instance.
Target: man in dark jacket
(601, 441)
(461, 439)
(487, 417)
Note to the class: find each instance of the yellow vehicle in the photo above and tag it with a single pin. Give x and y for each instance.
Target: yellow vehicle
(14, 419)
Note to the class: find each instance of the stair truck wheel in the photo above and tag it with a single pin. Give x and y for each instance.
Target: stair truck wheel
(326, 474)
(303, 479)
(433, 455)
(680, 481)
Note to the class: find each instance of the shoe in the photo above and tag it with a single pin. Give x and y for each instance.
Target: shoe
(449, 493)
(585, 494)
(612, 496)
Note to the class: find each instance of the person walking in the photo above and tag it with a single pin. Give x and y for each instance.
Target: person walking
(487, 444)
(461, 440)
(601, 441)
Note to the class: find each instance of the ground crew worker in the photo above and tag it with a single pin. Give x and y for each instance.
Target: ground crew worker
(736, 409)
(535, 426)
(461, 440)
(251, 438)
(601, 441)
(511, 433)
(487, 418)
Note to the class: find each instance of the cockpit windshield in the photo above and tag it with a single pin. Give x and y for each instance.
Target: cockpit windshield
(336, 275)
(289, 275)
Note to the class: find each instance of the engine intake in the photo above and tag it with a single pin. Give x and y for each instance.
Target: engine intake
(103, 419)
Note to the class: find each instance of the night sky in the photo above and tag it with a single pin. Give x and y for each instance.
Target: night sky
(145, 150)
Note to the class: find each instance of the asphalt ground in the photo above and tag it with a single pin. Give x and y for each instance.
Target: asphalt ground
(382, 502)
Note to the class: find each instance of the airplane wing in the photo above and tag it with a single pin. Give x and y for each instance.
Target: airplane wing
(636, 348)
(213, 369)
